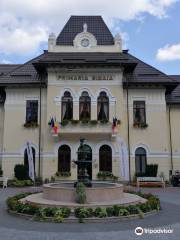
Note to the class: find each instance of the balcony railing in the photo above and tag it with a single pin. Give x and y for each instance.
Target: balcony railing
(91, 128)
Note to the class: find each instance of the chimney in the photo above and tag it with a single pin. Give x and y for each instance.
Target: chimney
(51, 41)
(118, 41)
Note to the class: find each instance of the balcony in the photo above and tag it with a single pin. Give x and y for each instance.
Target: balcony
(87, 128)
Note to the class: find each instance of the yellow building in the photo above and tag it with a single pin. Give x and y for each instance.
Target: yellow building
(86, 86)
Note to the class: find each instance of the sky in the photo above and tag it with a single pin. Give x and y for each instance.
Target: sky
(150, 29)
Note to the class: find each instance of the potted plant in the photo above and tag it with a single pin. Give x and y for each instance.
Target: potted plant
(30, 125)
(74, 121)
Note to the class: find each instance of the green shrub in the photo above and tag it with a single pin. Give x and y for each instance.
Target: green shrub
(66, 212)
(64, 123)
(104, 121)
(102, 213)
(50, 211)
(58, 214)
(41, 214)
(104, 175)
(85, 121)
(93, 122)
(97, 211)
(12, 202)
(63, 174)
(74, 121)
(82, 213)
(21, 172)
(132, 209)
(21, 183)
(123, 212)
(58, 219)
(1, 172)
(80, 193)
(116, 210)
(140, 213)
(110, 211)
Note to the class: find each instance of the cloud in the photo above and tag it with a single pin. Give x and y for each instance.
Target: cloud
(5, 61)
(24, 25)
(169, 53)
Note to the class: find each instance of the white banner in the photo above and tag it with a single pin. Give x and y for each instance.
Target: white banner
(30, 161)
(124, 161)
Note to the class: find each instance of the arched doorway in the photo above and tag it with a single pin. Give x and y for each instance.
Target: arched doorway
(26, 162)
(64, 159)
(87, 158)
(105, 158)
(140, 160)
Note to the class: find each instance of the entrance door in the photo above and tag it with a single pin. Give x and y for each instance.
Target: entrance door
(89, 159)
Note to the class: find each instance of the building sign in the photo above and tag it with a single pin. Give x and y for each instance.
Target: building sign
(85, 77)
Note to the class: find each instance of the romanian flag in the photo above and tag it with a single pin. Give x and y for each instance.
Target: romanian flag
(52, 122)
(114, 124)
(56, 126)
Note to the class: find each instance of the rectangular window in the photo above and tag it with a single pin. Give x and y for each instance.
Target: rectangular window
(139, 112)
(32, 111)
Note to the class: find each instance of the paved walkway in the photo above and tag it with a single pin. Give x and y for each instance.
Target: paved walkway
(15, 228)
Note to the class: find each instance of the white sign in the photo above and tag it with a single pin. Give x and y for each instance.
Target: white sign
(30, 161)
(123, 155)
(83, 77)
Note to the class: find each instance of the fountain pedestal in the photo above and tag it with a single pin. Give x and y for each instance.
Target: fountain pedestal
(82, 164)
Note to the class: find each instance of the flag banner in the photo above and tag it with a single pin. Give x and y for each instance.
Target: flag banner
(30, 161)
(124, 162)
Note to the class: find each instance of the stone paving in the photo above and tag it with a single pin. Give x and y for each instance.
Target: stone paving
(15, 228)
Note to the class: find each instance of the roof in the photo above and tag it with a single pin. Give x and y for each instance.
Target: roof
(5, 68)
(96, 26)
(174, 97)
(145, 73)
(22, 74)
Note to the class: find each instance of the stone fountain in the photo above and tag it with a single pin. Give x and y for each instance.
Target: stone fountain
(97, 193)
(82, 162)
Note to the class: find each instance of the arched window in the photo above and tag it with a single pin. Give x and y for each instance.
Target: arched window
(105, 158)
(103, 107)
(64, 159)
(84, 106)
(67, 106)
(140, 160)
(26, 162)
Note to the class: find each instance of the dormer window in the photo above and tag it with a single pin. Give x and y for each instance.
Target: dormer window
(85, 39)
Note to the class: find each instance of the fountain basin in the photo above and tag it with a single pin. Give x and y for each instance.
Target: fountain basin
(99, 192)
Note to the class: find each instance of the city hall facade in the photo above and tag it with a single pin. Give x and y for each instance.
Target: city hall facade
(86, 86)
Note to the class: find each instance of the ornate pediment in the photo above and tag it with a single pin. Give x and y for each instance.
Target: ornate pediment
(85, 39)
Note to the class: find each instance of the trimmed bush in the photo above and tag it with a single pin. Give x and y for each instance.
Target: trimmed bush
(1, 172)
(103, 175)
(58, 214)
(21, 172)
(21, 183)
